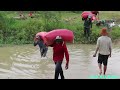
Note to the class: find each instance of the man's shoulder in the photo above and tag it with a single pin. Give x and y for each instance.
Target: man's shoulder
(105, 37)
(108, 38)
(99, 37)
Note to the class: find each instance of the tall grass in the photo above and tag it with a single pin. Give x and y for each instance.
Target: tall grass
(14, 31)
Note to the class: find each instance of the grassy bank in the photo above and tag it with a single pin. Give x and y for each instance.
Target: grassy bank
(15, 31)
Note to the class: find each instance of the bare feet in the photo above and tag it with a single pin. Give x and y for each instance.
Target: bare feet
(100, 72)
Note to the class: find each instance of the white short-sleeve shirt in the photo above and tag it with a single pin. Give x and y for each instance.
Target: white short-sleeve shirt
(104, 43)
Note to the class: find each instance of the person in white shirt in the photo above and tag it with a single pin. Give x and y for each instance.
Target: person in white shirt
(104, 46)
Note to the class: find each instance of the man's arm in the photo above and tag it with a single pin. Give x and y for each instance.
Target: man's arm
(110, 48)
(97, 48)
(96, 51)
(90, 21)
(110, 51)
(66, 55)
(91, 24)
(35, 43)
(98, 15)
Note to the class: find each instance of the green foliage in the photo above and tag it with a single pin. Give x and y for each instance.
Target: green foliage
(14, 31)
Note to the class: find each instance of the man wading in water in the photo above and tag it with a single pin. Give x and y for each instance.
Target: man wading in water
(104, 45)
(42, 46)
(59, 50)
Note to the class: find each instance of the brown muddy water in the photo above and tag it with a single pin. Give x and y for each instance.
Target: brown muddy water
(24, 62)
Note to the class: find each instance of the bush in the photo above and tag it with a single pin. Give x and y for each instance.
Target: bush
(14, 31)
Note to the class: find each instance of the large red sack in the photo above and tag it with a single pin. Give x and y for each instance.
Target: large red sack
(67, 35)
(42, 34)
(86, 13)
(95, 12)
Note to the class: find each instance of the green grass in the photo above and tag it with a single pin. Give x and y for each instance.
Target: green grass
(13, 31)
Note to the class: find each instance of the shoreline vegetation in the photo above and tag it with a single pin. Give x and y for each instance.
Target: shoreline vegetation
(16, 31)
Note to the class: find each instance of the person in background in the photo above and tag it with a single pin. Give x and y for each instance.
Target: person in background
(43, 47)
(104, 46)
(31, 15)
(59, 50)
(87, 26)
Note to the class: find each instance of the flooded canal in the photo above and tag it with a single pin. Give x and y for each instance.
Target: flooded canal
(25, 62)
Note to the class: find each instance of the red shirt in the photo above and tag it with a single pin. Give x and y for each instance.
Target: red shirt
(59, 50)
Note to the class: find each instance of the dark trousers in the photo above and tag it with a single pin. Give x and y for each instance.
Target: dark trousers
(58, 70)
(86, 32)
(43, 51)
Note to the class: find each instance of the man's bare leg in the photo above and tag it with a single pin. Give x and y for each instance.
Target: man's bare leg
(105, 68)
(100, 68)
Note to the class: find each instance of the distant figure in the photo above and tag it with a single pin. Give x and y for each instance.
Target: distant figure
(59, 50)
(42, 46)
(31, 15)
(101, 23)
(104, 46)
(106, 23)
(109, 24)
(87, 26)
